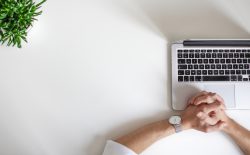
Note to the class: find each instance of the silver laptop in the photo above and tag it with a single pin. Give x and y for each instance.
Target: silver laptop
(221, 66)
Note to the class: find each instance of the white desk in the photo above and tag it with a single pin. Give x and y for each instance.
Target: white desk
(97, 69)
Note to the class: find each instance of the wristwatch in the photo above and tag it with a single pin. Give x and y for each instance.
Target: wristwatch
(176, 122)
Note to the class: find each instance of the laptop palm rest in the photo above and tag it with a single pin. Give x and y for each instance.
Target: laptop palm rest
(227, 92)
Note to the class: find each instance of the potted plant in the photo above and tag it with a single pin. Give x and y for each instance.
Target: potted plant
(16, 17)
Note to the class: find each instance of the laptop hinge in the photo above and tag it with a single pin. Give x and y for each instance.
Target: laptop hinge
(242, 43)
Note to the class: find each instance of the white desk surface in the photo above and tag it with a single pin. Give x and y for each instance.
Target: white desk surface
(94, 70)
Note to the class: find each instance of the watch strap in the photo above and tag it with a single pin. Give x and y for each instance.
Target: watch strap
(177, 128)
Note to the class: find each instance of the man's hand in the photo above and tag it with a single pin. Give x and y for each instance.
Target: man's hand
(211, 112)
(201, 117)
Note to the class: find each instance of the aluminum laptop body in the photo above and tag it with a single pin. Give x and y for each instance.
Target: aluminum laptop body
(221, 66)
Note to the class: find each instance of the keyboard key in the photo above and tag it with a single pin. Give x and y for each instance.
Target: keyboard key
(246, 66)
(185, 55)
(203, 55)
(194, 61)
(218, 66)
(216, 72)
(181, 61)
(239, 61)
(207, 66)
(197, 50)
(248, 72)
(201, 66)
(211, 61)
(204, 72)
(233, 61)
(219, 55)
(215, 50)
(182, 66)
(236, 55)
(221, 50)
(193, 72)
(221, 72)
(231, 55)
(180, 78)
(208, 55)
(241, 66)
(187, 72)
(244, 61)
(238, 72)
(209, 51)
(197, 55)
(214, 55)
(232, 72)
(212, 66)
(235, 66)
(190, 66)
(222, 61)
(179, 51)
(232, 50)
(224, 66)
(244, 72)
(191, 78)
(188, 61)
(186, 78)
(247, 55)
(229, 66)
(239, 77)
(197, 78)
(227, 72)
(233, 78)
(180, 72)
(228, 61)
(217, 61)
(198, 72)
(238, 50)
(196, 66)
(242, 55)
(216, 78)
(200, 61)
(210, 72)
(225, 55)
(179, 55)
(191, 55)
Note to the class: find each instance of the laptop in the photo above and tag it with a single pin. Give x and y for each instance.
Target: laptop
(221, 66)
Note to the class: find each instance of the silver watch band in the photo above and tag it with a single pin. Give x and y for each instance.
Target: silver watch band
(177, 128)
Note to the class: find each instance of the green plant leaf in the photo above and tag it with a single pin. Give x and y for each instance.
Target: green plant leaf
(16, 16)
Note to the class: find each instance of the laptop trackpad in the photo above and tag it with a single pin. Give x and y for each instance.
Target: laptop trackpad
(227, 92)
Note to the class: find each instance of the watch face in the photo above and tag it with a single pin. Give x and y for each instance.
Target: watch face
(175, 120)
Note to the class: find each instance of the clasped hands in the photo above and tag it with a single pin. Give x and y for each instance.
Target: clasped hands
(205, 112)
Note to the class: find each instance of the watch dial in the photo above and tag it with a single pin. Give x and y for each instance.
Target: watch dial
(175, 120)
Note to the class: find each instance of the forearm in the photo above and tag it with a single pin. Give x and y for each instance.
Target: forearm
(142, 138)
(240, 135)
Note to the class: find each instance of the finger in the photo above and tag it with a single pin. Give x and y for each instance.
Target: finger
(211, 120)
(218, 126)
(191, 100)
(207, 98)
(208, 108)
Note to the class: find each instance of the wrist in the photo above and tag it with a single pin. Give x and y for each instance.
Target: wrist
(229, 127)
(186, 125)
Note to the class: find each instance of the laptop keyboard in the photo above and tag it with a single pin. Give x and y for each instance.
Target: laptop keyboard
(213, 65)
